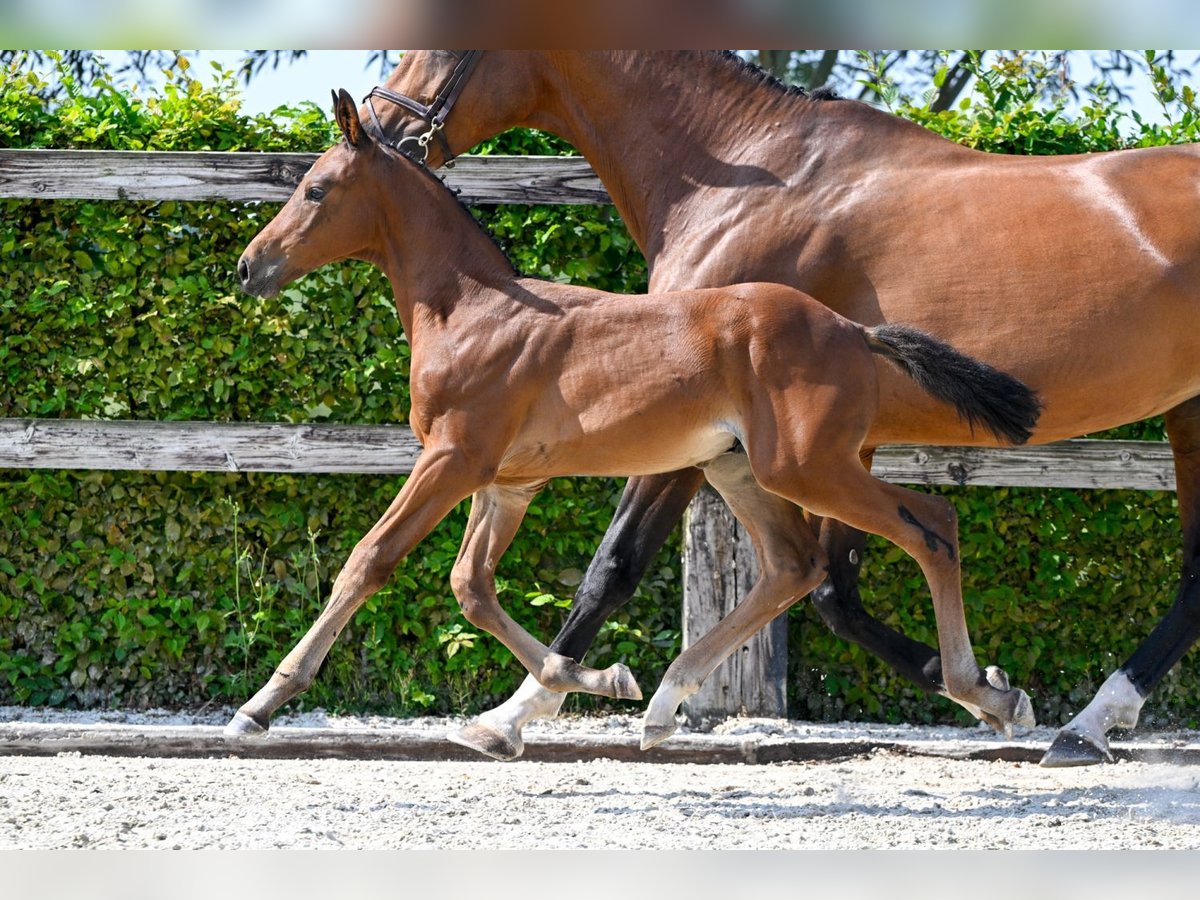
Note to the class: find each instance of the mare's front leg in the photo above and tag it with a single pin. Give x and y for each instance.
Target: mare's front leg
(441, 479)
(496, 513)
(1083, 741)
(649, 510)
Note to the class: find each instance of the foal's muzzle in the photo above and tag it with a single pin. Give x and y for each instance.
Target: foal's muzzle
(256, 279)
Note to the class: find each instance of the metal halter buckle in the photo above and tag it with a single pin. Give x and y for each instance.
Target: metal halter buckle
(434, 115)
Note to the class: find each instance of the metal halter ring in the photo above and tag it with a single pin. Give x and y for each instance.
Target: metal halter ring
(433, 115)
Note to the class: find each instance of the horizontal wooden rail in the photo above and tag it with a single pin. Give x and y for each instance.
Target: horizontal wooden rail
(148, 175)
(392, 449)
(205, 446)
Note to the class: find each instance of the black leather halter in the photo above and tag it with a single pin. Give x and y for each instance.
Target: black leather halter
(434, 115)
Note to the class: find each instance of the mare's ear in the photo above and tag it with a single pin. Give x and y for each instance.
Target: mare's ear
(346, 112)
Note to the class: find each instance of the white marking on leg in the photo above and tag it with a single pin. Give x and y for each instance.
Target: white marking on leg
(530, 701)
(1116, 705)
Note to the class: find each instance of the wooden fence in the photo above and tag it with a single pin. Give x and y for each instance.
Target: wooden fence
(719, 562)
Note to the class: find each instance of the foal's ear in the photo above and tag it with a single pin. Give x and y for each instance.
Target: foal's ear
(346, 112)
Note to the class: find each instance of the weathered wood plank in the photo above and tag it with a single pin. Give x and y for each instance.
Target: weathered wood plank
(147, 175)
(719, 569)
(206, 446)
(1138, 465)
(254, 447)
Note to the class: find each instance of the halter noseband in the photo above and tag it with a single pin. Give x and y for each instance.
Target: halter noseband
(434, 115)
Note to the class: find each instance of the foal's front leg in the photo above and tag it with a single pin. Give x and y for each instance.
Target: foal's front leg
(496, 513)
(441, 479)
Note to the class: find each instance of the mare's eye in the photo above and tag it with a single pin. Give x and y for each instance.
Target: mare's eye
(314, 193)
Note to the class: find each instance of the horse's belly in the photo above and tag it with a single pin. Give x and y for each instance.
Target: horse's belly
(645, 450)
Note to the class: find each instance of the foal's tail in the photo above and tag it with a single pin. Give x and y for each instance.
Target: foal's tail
(979, 393)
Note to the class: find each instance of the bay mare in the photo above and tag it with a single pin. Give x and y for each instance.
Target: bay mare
(515, 381)
(1080, 275)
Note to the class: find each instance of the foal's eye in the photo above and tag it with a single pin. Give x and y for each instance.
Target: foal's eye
(314, 193)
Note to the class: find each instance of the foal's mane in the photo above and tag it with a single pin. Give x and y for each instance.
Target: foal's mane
(439, 185)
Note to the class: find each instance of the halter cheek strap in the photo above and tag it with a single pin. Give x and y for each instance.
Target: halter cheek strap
(434, 115)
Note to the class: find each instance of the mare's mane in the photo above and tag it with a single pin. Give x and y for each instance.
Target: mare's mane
(761, 78)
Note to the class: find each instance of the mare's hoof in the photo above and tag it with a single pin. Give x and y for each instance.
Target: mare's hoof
(1070, 748)
(489, 741)
(625, 686)
(656, 734)
(242, 726)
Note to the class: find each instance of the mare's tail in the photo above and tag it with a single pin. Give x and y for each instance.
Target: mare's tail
(979, 393)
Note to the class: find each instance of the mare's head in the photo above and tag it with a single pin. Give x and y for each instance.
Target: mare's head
(334, 213)
(497, 90)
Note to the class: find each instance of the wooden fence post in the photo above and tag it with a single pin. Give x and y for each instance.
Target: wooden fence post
(719, 568)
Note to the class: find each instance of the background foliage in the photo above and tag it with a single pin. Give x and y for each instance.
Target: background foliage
(185, 589)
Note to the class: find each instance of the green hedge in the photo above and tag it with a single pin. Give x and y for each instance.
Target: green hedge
(179, 589)
(183, 589)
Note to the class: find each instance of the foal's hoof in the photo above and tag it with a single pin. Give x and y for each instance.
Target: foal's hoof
(997, 678)
(489, 741)
(656, 734)
(242, 726)
(1070, 748)
(624, 685)
(1023, 711)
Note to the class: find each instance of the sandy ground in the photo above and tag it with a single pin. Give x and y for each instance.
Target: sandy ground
(882, 800)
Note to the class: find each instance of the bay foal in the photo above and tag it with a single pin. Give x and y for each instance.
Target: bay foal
(515, 381)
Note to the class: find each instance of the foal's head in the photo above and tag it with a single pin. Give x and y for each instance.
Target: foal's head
(335, 212)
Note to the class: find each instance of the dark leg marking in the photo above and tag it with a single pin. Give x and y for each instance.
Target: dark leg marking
(932, 538)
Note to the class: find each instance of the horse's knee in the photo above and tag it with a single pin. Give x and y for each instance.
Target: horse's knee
(610, 577)
(837, 604)
(367, 570)
(1188, 597)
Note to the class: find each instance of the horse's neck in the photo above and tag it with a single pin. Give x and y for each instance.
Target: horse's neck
(434, 254)
(652, 125)
(666, 133)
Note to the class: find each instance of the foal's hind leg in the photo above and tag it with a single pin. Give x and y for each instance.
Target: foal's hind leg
(925, 526)
(838, 602)
(791, 564)
(1083, 741)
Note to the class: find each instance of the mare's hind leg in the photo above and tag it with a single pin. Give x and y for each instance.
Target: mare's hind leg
(1083, 741)
(649, 510)
(791, 564)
